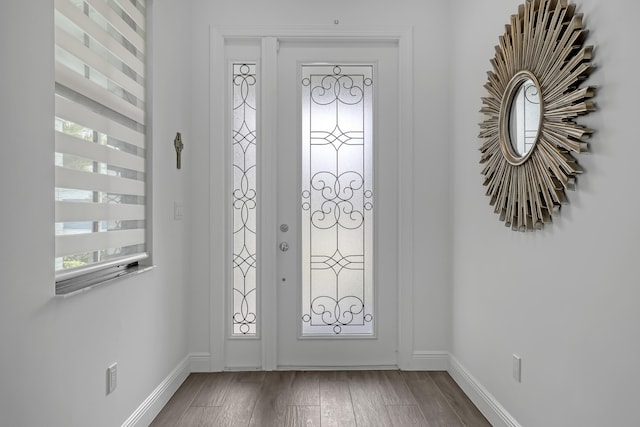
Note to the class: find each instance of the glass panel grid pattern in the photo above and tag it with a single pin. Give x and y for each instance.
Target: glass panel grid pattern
(244, 201)
(337, 200)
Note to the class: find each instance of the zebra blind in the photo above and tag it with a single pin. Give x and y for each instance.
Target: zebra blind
(100, 153)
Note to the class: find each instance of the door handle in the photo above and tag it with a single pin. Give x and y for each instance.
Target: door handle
(284, 246)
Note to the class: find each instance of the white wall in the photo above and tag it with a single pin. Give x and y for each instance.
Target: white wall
(565, 299)
(53, 351)
(431, 67)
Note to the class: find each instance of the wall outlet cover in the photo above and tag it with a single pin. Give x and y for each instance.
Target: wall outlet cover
(112, 378)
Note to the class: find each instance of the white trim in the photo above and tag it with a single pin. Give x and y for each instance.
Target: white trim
(316, 32)
(153, 404)
(405, 199)
(268, 209)
(217, 216)
(244, 368)
(480, 396)
(199, 362)
(428, 361)
(338, 368)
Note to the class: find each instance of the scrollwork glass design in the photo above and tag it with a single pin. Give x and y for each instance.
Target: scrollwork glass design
(244, 199)
(337, 199)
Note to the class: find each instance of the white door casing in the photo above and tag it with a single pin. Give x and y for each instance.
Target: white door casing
(278, 345)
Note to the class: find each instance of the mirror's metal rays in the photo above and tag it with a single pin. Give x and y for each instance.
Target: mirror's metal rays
(528, 162)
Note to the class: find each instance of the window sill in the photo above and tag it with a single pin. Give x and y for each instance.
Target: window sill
(78, 287)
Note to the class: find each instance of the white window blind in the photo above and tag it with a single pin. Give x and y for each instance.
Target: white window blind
(100, 154)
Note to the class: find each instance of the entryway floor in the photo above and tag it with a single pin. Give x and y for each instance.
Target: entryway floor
(320, 398)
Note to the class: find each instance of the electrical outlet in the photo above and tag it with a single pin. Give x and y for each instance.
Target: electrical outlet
(112, 378)
(178, 211)
(517, 368)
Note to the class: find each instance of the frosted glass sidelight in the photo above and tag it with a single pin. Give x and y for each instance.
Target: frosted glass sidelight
(337, 200)
(244, 199)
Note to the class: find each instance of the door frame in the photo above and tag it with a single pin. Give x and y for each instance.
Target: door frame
(267, 125)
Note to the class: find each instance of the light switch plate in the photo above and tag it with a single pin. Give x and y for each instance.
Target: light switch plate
(517, 368)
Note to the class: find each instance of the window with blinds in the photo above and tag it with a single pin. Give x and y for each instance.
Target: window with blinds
(100, 154)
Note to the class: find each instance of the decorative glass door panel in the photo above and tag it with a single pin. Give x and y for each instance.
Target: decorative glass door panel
(337, 200)
(337, 290)
(244, 286)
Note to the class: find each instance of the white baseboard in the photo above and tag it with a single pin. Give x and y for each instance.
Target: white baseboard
(428, 361)
(153, 404)
(200, 362)
(419, 361)
(337, 368)
(480, 396)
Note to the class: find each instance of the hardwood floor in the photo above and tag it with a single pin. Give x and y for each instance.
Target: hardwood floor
(320, 398)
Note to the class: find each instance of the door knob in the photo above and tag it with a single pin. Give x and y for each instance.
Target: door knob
(284, 246)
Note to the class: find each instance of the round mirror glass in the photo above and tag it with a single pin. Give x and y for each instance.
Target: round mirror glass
(524, 118)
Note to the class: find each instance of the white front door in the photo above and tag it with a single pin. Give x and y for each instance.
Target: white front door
(312, 251)
(337, 204)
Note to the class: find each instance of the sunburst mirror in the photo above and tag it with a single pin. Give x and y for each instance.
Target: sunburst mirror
(535, 95)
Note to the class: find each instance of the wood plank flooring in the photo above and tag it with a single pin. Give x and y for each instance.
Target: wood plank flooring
(320, 398)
